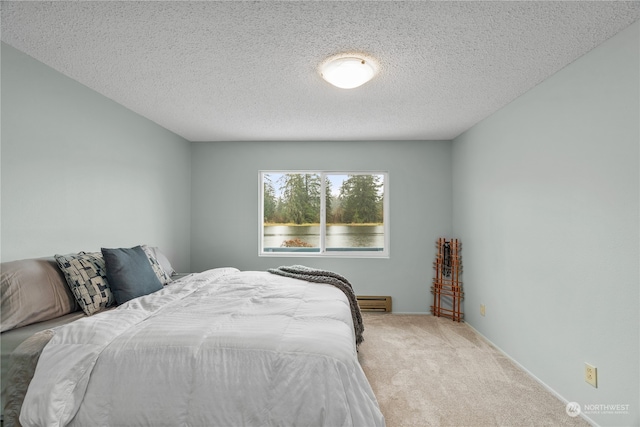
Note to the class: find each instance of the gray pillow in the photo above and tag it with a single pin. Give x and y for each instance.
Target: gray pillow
(129, 273)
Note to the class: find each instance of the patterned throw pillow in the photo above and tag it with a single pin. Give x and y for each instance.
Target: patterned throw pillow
(155, 265)
(162, 260)
(86, 276)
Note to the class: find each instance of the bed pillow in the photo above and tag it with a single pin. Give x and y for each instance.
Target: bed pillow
(129, 273)
(162, 259)
(33, 290)
(156, 266)
(86, 276)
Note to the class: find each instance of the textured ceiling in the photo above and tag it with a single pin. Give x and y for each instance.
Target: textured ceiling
(227, 71)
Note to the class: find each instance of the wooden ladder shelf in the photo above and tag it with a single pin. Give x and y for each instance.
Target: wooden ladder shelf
(447, 286)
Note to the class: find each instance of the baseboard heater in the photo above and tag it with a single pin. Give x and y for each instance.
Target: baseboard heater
(375, 303)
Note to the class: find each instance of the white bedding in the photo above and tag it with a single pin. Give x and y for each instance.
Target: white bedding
(219, 348)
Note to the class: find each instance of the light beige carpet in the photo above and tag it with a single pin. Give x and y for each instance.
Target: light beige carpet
(430, 371)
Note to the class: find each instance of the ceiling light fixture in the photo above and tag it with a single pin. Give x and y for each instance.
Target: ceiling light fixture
(348, 72)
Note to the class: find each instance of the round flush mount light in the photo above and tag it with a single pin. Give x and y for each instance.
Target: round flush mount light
(348, 72)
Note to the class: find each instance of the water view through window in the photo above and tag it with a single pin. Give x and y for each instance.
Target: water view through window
(338, 236)
(320, 212)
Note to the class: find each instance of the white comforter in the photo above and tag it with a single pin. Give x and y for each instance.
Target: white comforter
(219, 348)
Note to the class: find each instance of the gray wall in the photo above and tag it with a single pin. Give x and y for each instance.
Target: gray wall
(225, 208)
(545, 200)
(80, 171)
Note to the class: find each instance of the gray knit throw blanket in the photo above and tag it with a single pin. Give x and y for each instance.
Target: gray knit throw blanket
(323, 276)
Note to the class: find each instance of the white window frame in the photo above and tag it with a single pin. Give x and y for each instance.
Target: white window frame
(384, 253)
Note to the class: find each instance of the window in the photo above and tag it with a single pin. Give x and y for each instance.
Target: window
(316, 213)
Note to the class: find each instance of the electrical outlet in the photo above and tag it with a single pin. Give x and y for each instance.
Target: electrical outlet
(591, 375)
(481, 309)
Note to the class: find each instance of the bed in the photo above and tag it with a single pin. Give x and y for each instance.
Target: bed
(219, 348)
